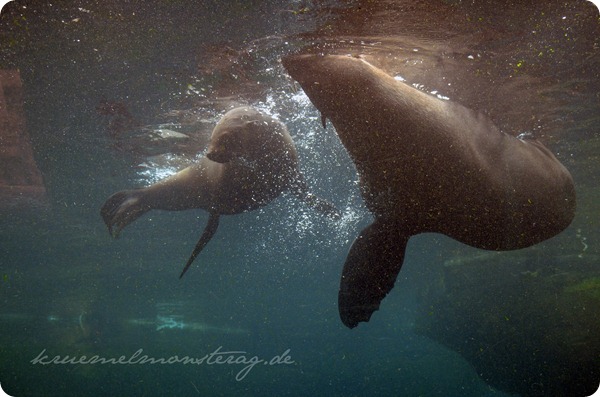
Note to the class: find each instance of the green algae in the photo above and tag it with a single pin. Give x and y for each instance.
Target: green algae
(589, 287)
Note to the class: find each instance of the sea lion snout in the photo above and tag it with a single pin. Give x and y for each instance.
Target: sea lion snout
(228, 142)
(218, 156)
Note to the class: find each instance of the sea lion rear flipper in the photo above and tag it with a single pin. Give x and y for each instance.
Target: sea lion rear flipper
(207, 234)
(370, 271)
(299, 188)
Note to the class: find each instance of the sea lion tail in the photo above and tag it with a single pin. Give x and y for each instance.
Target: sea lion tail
(370, 271)
(209, 232)
(120, 209)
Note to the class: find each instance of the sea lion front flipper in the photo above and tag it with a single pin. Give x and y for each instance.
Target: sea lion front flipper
(207, 234)
(122, 208)
(370, 271)
(299, 188)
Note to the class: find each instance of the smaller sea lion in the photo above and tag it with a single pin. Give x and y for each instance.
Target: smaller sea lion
(251, 160)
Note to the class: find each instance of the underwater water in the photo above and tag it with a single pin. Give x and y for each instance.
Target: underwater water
(257, 312)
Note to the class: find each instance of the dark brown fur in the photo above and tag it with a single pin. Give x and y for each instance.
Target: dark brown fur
(427, 165)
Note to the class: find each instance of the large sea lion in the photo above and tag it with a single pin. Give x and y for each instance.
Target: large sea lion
(428, 165)
(251, 159)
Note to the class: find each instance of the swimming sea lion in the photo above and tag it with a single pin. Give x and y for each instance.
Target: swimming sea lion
(427, 165)
(251, 160)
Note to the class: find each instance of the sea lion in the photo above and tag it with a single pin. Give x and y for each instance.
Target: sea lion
(251, 159)
(428, 165)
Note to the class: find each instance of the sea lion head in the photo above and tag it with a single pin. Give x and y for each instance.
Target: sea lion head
(224, 148)
(243, 133)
